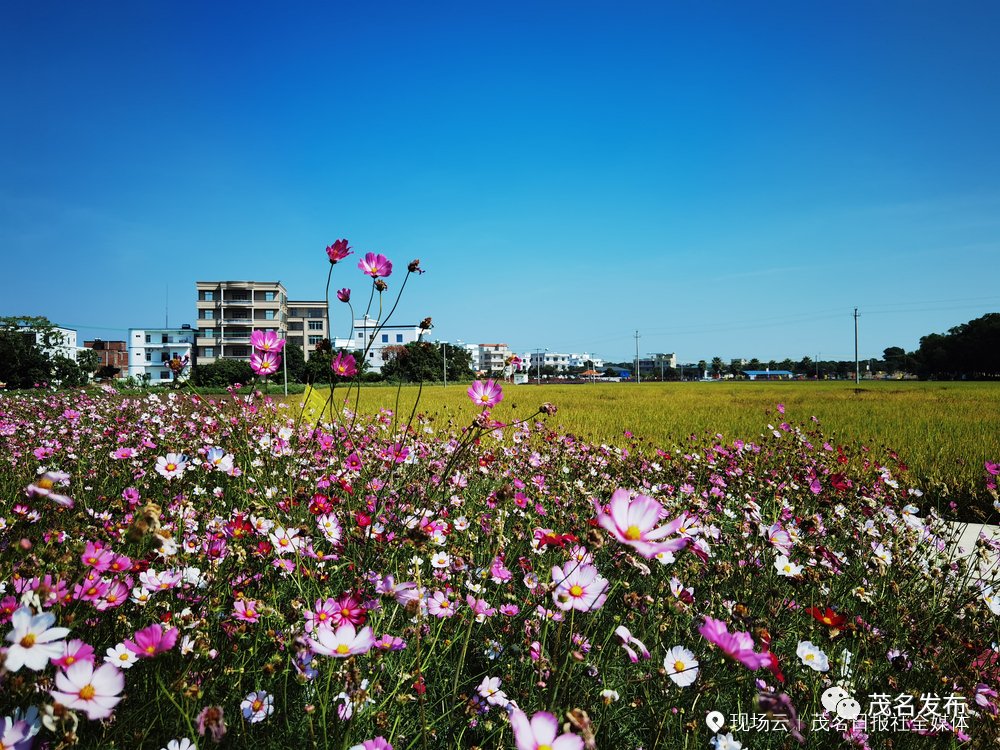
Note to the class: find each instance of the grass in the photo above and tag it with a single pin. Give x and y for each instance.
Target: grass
(943, 431)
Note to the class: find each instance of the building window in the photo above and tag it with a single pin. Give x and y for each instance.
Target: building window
(399, 338)
(207, 351)
(149, 339)
(313, 340)
(164, 357)
(207, 296)
(269, 296)
(315, 325)
(361, 335)
(208, 333)
(385, 338)
(164, 375)
(164, 339)
(208, 314)
(149, 356)
(269, 315)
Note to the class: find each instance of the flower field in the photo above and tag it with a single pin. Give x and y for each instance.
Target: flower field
(178, 571)
(228, 572)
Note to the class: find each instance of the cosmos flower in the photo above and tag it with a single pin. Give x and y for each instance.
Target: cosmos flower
(96, 692)
(43, 487)
(264, 364)
(829, 618)
(379, 743)
(489, 689)
(344, 365)
(681, 666)
(150, 641)
(343, 642)
(33, 640)
(633, 522)
(627, 638)
(338, 251)
(737, 645)
(486, 394)
(257, 706)
(171, 466)
(786, 568)
(344, 295)
(812, 656)
(375, 265)
(266, 342)
(579, 587)
(541, 732)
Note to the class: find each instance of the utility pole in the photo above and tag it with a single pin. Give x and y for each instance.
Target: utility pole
(638, 377)
(857, 368)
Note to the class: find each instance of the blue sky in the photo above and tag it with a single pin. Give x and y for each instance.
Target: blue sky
(728, 178)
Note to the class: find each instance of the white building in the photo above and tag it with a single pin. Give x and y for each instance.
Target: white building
(151, 349)
(489, 358)
(62, 342)
(377, 340)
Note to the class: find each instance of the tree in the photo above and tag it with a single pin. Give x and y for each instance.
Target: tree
(894, 358)
(222, 373)
(88, 361)
(967, 351)
(25, 343)
(418, 361)
(295, 361)
(717, 366)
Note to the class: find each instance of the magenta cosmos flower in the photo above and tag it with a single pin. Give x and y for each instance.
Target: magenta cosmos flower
(342, 642)
(338, 251)
(151, 641)
(266, 341)
(633, 522)
(738, 645)
(485, 394)
(94, 691)
(540, 732)
(264, 364)
(344, 295)
(375, 265)
(379, 743)
(344, 365)
(43, 487)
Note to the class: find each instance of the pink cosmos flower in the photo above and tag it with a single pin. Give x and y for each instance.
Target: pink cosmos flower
(737, 645)
(579, 587)
(42, 487)
(348, 609)
(264, 364)
(485, 394)
(267, 341)
(344, 295)
(33, 640)
(93, 691)
(379, 743)
(539, 732)
(342, 642)
(257, 706)
(375, 265)
(74, 651)
(246, 610)
(151, 641)
(993, 468)
(632, 522)
(338, 251)
(622, 632)
(344, 365)
(97, 557)
(439, 604)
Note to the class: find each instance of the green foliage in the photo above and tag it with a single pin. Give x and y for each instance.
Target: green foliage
(222, 373)
(88, 361)
(970, 351)
(422, 361)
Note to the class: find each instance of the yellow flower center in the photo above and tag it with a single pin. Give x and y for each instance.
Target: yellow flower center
(678, 666)
(28, 641)
(257, 705)
(632, 533)
(810, 657)
(544, 747)
(87, 692)
(343, 648)
(171, 467)
(45, 483)
(575, 590)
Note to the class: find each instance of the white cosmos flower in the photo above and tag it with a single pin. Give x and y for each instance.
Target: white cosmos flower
(33, 640)
(812, 656)
(787, 568)
(681, 666)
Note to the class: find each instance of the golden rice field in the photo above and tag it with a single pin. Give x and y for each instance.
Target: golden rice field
(943, 431)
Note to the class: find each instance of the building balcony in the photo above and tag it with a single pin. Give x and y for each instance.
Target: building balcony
(237, 302)
(238, 339)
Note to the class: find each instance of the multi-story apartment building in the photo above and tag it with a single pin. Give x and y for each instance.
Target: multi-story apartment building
(151, 349)
(228, 311)
(110, 354)
(548, 359)
(490, 358)
(307, 324)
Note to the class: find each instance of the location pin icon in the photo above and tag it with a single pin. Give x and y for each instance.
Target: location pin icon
(715, 720)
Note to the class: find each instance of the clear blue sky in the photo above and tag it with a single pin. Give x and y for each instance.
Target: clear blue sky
(730, 178)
